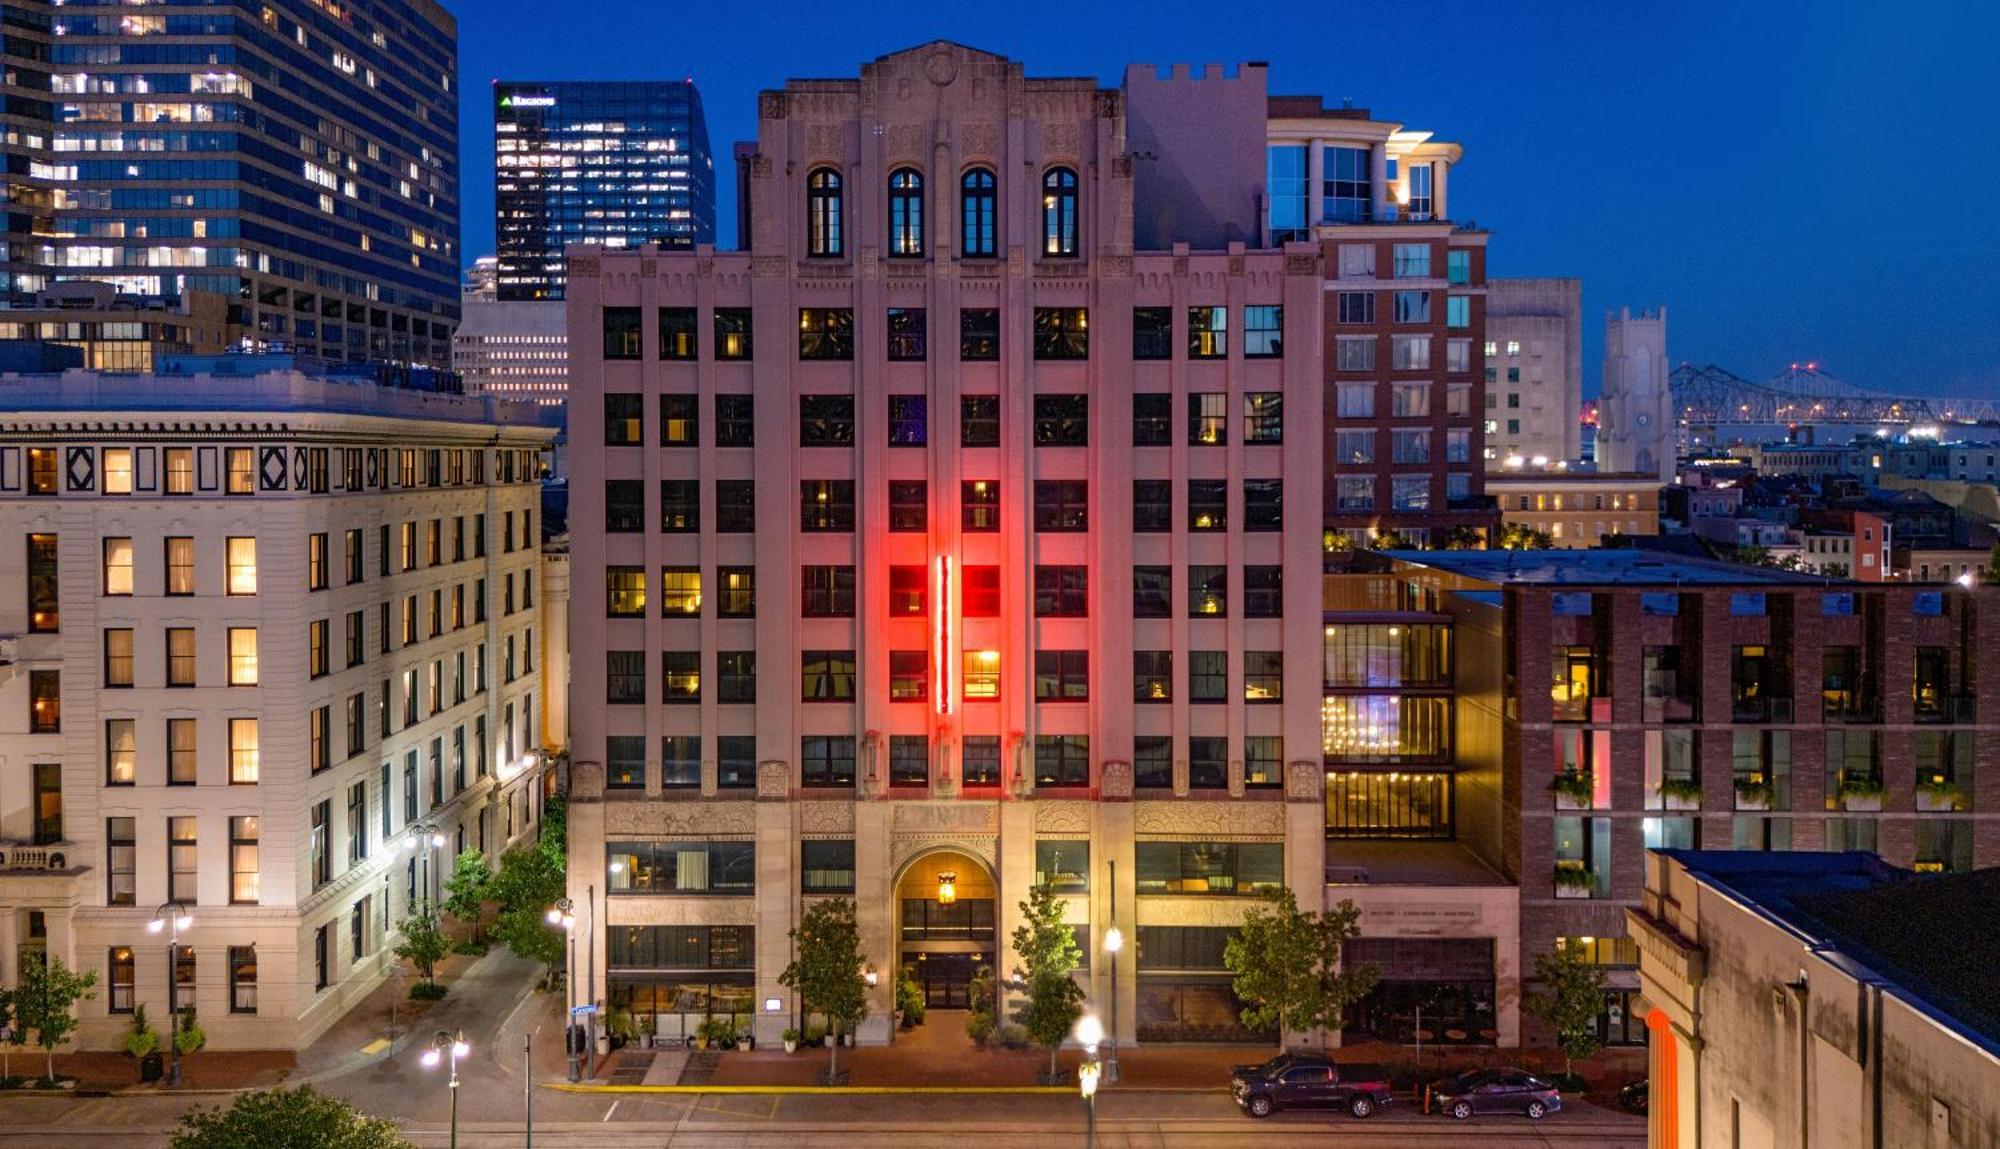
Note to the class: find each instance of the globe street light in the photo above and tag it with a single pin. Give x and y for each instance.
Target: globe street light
(172, 917)
(1114, 941)
(560, 915)
(1089, 1032)
(426, 836)
(453, 1045)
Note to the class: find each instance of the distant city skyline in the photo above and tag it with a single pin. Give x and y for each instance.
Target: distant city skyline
(1789, 179)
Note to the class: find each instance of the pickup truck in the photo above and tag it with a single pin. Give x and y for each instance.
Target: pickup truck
(1308, 1081)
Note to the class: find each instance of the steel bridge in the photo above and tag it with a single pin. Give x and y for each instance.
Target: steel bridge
(1802, 393)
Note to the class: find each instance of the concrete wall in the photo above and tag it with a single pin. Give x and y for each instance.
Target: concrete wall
(1197, 139)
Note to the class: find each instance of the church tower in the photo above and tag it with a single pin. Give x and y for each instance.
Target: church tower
(1635, 430)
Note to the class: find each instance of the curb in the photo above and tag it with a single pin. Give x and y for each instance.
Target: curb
(816, 1090)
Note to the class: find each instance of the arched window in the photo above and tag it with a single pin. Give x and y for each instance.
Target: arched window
(1059, 212)
(976, 192)
(823, 222)
(906, 212)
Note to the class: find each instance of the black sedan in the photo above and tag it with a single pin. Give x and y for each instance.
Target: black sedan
(1495, 1091)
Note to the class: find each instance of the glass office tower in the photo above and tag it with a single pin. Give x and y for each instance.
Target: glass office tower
(611, 163)
(294, 160)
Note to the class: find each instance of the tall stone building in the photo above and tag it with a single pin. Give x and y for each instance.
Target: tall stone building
(1534, 373)
(1635, 420)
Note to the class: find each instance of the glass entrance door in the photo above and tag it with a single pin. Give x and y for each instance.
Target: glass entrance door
(946, 978)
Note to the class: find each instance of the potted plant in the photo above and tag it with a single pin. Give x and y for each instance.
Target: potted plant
(1573, 880)
(1681, 793)
(815, 1037)
(188, 1036)
(1938, 794)
(144, 1045)
(1572, 790)
(1860, 795)
(910, 998)
(1752, 792)
(791, 1039)
(714, 1031)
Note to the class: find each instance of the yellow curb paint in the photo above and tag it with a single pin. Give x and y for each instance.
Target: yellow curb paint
(376, 1046)
(835, 1090)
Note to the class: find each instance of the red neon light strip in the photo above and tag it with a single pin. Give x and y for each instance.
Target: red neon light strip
(941, 634)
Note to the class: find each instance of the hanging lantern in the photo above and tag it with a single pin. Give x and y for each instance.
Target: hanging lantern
(947, 888)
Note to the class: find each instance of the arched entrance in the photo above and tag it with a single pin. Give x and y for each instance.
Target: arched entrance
(944, 932)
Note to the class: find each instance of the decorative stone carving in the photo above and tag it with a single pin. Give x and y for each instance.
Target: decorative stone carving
(941, 67)
(583, 267)
(1121, 166)
(1209, 819)
(774, 780)
(1062, 816)
(945, 817)
(673, 819)
(1059, 140)
(826, 817)
(979, 141)
(1114, 781)
(766, 266)
(823, 142)
(906, 142)
(1305, 781)
(1115, 266)
(1302, 264)
(771, 106)
(983, 847)
(1236, 265)
(586, 781)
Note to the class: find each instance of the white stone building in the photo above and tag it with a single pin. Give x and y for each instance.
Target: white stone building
(268, 632)
(1534, 372)
(1635, 426)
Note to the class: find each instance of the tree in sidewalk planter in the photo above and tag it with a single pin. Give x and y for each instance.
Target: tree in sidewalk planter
(1569, 1001)
(188, 1036)
(140, 1040)
(1287, 966)
(299, 1117)
(983, 1017)
(530, 880)
(910, 997)
(12, 1033)
(826, 971)
(1049, 955)
(423, 945)
(45, 1002)
(465, 892)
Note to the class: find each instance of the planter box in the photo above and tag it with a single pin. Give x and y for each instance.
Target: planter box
(1862, 803)
(1680, 802)
(1571, 802)
(1930, 803)
(1574, 891)
(1762, 802)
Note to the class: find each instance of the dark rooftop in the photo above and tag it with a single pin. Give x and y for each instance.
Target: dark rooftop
(1930, 936)
(1616, 567)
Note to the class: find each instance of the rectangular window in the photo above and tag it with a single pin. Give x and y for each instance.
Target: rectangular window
(243, 752)
(907, 585)
(320, 844)
(680, 337)
(680, 761)
(622, 334)
(826, 333)
(1152, 505)
(625, 762)
(121, 861)
(1235, 868)
(1263, 760)
(121, 752)
(979, 421)
(1063, 864)
(1208, 592)
(1263, 331)
(1062, 676)
(1413, 306)
(1208, 676)
(1208, 333)
(1264, 417)
(122, 972)
(981, 766)
(118, 657)
(1152, 333)
(907, 330)
(1458, 313)
(1062, 760)
(1208, 763)
(826, 866)
(357, 822)
(180, 565)
(242, 979)
(1410, 352)
(243, 656)
(1263, 592)
(1354, 447)
(680, 672)
(1152, 591)
(700, 867)
(1263, 504)
(242, 556)
(1408, 446)
(979, 506)
(738, 587)
(1208, 418)
(1355, 400)
(735, 506)
(1208, 504)
(736, 676)
(680, 592)
(241, 463)
(909, 505)
(680, 420)
(45, 702)
(979, 593)
(979, 334)
(1153, 762)
(826, 505)
(1356, 307)
(1263, 676)
(180, 470)
(1062, 333)
(625, 677)
(1152, 419)
(1355, 352)
(1412, 261)
(1458, 266)
(827, 675)
(181, 752)
(732, 333)
(44, 586)
(909, 421)
(736, 761)
(624, 592)
(909, 760)
(827, 760)
(1061, 505)
(1152, 676)
(1061, 591)
(1062, 420)
(735, 421)
(182, 854)
(319, 753)
(981, 681)
(680, 506)
(1347, 186)
(117, 566)
(826, 592)
(319, 657)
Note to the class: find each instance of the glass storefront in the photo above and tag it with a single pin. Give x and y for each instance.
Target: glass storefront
(1439, 988)
(1389, 805)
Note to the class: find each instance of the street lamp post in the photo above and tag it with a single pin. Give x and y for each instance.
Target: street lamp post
(560, 915)
(590, 971)
(1089, 1032)
(452, 1045)
(430, 839)
(1114, 941)
(172, 917)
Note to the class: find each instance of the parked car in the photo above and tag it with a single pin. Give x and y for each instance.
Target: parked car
(1309, 1081)
(1634, 1096)
(1495, 1091)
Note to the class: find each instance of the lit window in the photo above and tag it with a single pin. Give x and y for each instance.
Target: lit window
(1059, 212)
(118, 470)
(982, 675)
(242, 656)
(978, 200)
(823, 222)
(242, 553)
(680, 592)
(243, 755)
(118, 566)
(906, 212)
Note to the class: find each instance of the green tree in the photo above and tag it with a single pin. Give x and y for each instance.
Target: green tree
(45, 1002)
(465, 891)
(424, 942)
(1992, 571)
(530, 880)
(1287, 965)
(301, 1118)
(1388, 539)
(1049, 954)
(14, 1034)
(1569, 1000)
(1522, 537)
(826, 971)
(1464, 538)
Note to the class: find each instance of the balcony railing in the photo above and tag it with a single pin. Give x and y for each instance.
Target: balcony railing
(1956, 709)
(57, 857)
(1670, 709)
(1759, 710)
(1845, 706)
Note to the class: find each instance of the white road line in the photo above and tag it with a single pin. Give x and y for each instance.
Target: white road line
(613, 1109)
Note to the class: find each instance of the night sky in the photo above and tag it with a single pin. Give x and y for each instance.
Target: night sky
(1794, 179)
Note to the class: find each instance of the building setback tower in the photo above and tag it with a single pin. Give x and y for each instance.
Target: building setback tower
(616, 164)
(293, 165)
(1635, 429)
(272, 653)
(1534, 372)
